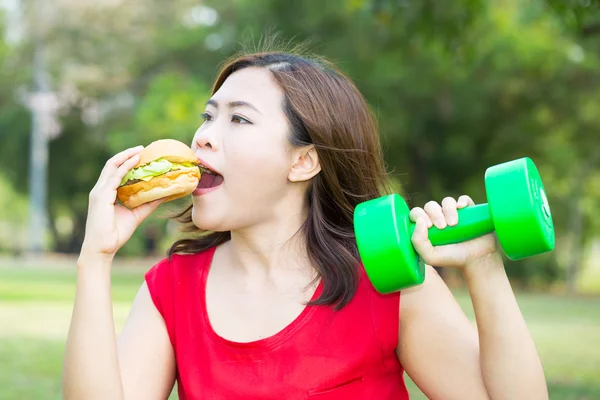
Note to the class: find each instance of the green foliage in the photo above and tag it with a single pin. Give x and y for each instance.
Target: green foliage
(535, 272)
(13, 215)
(15, 123)
(456, 86)
(171, 107)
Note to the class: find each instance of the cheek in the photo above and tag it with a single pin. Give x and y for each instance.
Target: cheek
(256, 174)
(264, 167)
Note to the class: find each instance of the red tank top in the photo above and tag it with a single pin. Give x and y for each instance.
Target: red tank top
(323, 354)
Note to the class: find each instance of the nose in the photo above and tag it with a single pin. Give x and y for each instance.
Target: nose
(205, 139)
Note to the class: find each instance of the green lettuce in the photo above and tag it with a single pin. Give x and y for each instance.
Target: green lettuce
(155, 168)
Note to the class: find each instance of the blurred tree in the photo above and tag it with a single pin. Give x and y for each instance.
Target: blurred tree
(457, 87)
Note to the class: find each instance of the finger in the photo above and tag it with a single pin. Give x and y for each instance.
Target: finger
(115, 180)
(421, 242)
(142, 212)
(449, 209)
(417, 213)
(434, 210)
(117, 160)
(464, 201)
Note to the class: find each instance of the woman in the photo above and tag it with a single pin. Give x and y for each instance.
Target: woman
(272, 302)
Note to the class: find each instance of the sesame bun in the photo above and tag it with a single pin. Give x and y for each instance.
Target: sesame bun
(169, 186)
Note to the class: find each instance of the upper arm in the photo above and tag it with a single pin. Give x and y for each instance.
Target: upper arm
(146, 357)
(437, 345)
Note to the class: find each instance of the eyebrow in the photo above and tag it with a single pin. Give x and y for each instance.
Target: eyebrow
(233, 104)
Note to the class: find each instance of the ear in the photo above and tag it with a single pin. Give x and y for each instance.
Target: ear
(305, 164)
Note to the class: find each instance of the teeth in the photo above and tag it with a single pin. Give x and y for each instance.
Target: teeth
(207, 170)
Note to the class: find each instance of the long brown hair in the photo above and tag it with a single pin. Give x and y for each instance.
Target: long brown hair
(324, 108)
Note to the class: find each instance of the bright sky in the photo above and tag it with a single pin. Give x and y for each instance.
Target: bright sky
(13, 29)
(9, 5)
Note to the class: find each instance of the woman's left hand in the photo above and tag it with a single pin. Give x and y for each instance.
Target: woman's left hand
(453, 255)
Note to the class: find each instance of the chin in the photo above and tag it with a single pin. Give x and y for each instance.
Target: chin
(208, 221)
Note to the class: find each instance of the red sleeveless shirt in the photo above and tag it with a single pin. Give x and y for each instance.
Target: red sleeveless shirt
(322, 355)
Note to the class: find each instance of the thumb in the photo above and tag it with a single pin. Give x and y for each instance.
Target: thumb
(142, 212)
(421, 243)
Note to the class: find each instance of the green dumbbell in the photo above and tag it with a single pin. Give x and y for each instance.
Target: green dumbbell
(517, 210)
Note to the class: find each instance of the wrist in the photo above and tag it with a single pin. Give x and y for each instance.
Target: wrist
(482, 266)
(90, 259)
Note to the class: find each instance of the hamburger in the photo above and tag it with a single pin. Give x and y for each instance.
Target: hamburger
(167, 169)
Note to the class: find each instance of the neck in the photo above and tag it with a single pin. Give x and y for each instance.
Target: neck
(275, 245)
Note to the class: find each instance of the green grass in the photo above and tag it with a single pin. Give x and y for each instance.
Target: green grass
(36, 304)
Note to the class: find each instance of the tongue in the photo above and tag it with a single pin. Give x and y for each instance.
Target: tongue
(209, 181)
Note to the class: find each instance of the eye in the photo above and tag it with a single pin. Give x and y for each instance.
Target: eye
(239, 120)
(206, 117)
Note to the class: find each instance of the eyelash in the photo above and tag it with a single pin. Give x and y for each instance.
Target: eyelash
(207, 118)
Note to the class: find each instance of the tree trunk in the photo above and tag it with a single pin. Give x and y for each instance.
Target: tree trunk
(74, 246)
(53, 230)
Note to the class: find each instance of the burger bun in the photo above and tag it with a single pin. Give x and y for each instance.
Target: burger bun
(169, 186)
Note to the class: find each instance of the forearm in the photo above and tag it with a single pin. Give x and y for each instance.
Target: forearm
(91, 366)
(510, 363)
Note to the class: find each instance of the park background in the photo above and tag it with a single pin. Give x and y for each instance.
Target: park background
(457, 86)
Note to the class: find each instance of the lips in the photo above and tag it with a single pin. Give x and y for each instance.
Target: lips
(206, 166)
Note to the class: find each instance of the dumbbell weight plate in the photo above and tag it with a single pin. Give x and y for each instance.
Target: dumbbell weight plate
(383, 237)
(519, 208)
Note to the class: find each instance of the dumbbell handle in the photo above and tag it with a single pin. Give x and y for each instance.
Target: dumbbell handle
(473, 221)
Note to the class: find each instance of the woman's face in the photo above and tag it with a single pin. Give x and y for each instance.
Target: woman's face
(245, 139)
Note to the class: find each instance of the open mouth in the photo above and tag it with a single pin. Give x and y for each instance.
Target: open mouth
(209, 178)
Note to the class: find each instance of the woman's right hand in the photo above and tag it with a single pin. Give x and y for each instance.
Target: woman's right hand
(110, 225)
